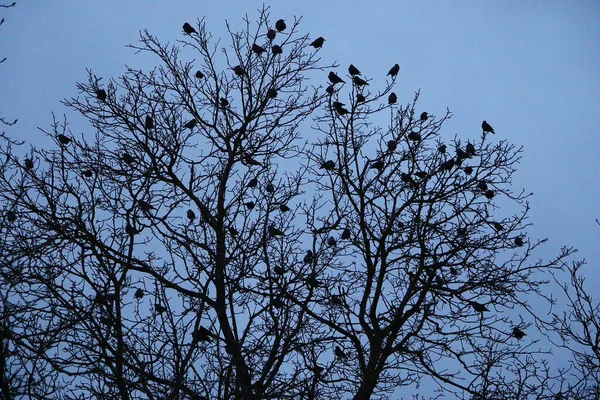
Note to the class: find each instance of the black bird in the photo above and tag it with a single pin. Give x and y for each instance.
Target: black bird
(148, 123)
(358, 81)
(461, 232)
(461, 154)
(377, 164)
(339, 107)
(353, 70)
(519, 241)
(88, 173)
(145, 206)
(275, 232)
(276, 49)
(159, 308)
(414, 136)
(339, 353)
(447, 165)
(130, 230)
(424, 116)
(518, 333)
(421, 174)
(270, 188)
(279, 270)
(199, 75)
(11, 216)
(318, 42)
(284, 208)
(360, 98)
(490, 194)
(392, 98)
(329, 89)
(331, 241)
(201, 334)
(190, 124)
(346, 234)
(498, 226)
(328, 165)
(470, 149)
(406, 178)
(308, 258)
(191, 215)
(232, 231)
(487, 127)
(272, 93)
(251, 161)
(249, 205)
(453, 271)
(252, 183)
(333, 78)
(392, 145)
(29, 163)
(394, 70)
(187, 28)
(101, 94)
(280, 25)
(442, 149)
(482, 185)
(468, 170)
(224, 102)
(64, 139)
(271, 34)
(139, 293)
(239, 70)
(478, 307)
(257, 49)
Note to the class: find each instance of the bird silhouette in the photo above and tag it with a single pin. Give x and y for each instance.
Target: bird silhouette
(11, 216)
(139, 293)
(273, 231)
(130, 230)
(279, 270)
(498, 226)
(280, 25)
(478, 306)
(339, 353)
(191, 215)
(334, 78)
(270, 188)
(346, 234)
(88, 173)
(358, 81)
(308, 257)
(360, 98)
(284, 208)
(392, 145)
(101, 94)
(353, 70)
(199, 74)
(190, 124)
(487, 127)
(414, 136)
(328, 165)
(519, 241)
(470, 149)
(482, 185)
(447, 165)
(148, 123)
(518, 333)
(421, 174)
(453, 271)
(187, 28)
(329, 89)
(461, 154)
(394, 70)
(251, 161)
(252, 183)
(406, 178)
(145, 206)
(257, 49)
(331, 241)
(62, 139)
(271, 34)
(201, 334)
(442, 149)
(224, 102)
(424, 116)
(128, 158)
(232, 231)
(317, 43)
(249, 205)
(392, 98)
(159, 308)
(468, 170)
(272, 93)
(276, 49)
(239, 70)
(490, 194)
(377, 164)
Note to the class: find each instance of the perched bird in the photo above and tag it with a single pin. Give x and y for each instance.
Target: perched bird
(270, 188)
(271, 34)
(447, 165)
(201, 334)
(490, 194)
(308, 258)
(519, 241)
(358, 81)
(284, 208)
(468, 170)
(232, 231)
(275, 232)
(498, 226)
(518, 333)
(424, 116)
(191, 215)
(251, 161)
(360, 98)
(130, 230)
(145, 206)
(329, 89)
(453, 271)
(394, 70)
(470, 149)
(280, 25)
(101, 94)
(239, 70)
(279, 270)
(64, 139)
(312, 280)
(487, 127)
(346, 234)
(276, 49)
(159, 308)
(331, 241)
(249, 205)
(190, 124)
(406, 178)
(414, 136)
(339, 353)
(421, 174)
(328, 165)
(318, 43)
(392, 145)
(482, 185)
(442, 149)
(256, 49)
(88, 173)
(353, 70)
(377, 164)
(272, 93)
(28, 164)
(252, 183)
(461, 232)
(11, 216)
(333, 78)
(224, 102)
(199, 74)
(392, 98)
(139, 293)
(339, 107)
(276, 301)
(478, 306)
(148, 123)
(187, 28)
(461, 154)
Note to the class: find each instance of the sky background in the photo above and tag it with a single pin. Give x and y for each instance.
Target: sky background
(530, 68)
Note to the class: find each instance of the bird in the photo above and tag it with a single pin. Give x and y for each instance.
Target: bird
(377, 164)
(279, 270)
(272, 93)
(468, 170)
(482, 185)
(461, 154)
(328, 165)
(252, 183)
(490, 194)
(329, 89)
(358, 81)
(276, 49)
(249, 205)
(280, 25)
(518, 241)
(273, 231)
(453, 271)
(394, 70)
(232, 231)
(353, 70)
(159, 308)
(251, 161)
(201, 334)
(308, 257)
(145, 206)
(360, 98)
(339, 107)
(478, 307)
(11, 216)
(333, 78)
(346, 234)
(284, 208)
(270, 188)
(442, 149)
(470, 148)
(190, 124)
(101, 94)
(406, 178)
(331, 241)
(392, 145)
(257, 49)
(421, 174)
(148, 123)
(414, 136)
(187, 28)
(238, 70)
(392, 98)
(461, 232)
(424, 116)
(130, 230)
(339, 353)
(191, 215)
(447, 165)
(139, 293)
(498, 226)
(518, 333)
(271, 34)
(487, 127)
(317, 43)
(199, 74)
(224, 102)
(29, 163)
(64, 139)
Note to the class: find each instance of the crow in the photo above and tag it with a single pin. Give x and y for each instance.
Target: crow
(406, 178)
(279, 270)
(270, 188)
(478, 307)
(224, 102)
(64, 139)
(353, 70)
(88, 173)
(280, 25)
(339, 353)
(468, 170)
(442, 149)
(190, 124)
(253, 183)
(358, 81)
(251, 161)
(274, 231)
(149, 122)
(394, 70)
(392, 145)
(329, 89)
(201, 334)
(159, 308)
(271, 34)
(271, 93)
(518, 333)
(518, 241)
(487, 127)
(482, 185)
(139, 293)
(360, 98)
(128, 158)
(284, 208)
(317, 43)
(308, 258)
(101, 94)
(414, 136)
(447, 165)
(276, 49)
(199, 74)
(333, 78)
(331, 241)
(424, 116)
(257, 49)
(187, 28)
(328, 165)
(191, 215)
(11, 216)
(346, 234)
(249, 205)
(490, 194)
(239, 70)
(377, 164)
(470, 149)
(392, 98)
(145, 206)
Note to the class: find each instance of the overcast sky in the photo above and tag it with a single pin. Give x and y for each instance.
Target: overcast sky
(530, 68)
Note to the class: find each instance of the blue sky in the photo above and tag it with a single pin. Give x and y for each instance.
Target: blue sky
(530, 68)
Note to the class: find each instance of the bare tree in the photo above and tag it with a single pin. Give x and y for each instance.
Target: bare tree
(207, 243)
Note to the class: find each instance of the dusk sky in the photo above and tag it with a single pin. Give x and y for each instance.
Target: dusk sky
(530, 68)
